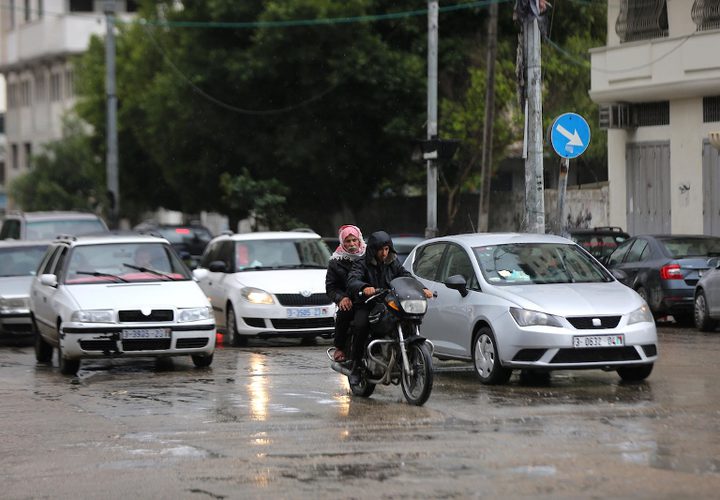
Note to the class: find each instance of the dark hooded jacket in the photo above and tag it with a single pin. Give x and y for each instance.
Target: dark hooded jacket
(369, 272)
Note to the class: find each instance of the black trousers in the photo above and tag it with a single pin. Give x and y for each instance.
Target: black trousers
(361, 330)
(342, 328)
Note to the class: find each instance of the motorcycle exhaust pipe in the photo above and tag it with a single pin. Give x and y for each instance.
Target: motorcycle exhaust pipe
(340, 368)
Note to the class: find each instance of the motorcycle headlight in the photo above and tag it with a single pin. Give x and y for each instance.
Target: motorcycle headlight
(194, 314)
(256, 296)
(641, 315)
(414, 306)
(524, 317)
(96, 316)
(9, 305)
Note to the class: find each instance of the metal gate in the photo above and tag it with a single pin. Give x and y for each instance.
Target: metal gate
(648, 187)
(711, 189)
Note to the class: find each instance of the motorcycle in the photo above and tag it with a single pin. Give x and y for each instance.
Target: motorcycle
(395, 352)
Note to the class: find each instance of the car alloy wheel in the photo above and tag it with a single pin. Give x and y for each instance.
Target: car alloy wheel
(231, 333)
(702, 318)
(486, 360)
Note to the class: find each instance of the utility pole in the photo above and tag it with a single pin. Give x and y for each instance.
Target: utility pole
(534, 187)
(486, 170)
(111, 97)
(432, 127)
(562, 191)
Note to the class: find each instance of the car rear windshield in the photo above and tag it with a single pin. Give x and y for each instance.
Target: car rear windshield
(681, 247)
(281, 254)
(538, 263)
(599, 245)
(185, 234)
(124, 262)
(49, 229)
(20, 261)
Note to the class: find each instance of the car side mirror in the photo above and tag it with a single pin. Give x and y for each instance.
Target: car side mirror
(713, 262)
(457, 282)
(200, 274)
(48, 279)
(217, 266)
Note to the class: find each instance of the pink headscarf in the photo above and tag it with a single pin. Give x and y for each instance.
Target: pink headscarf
(343, 233)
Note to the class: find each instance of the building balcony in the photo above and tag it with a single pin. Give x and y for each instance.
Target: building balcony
(48, 37)
(657, 70)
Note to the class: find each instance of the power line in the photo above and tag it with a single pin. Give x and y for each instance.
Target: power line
(223, 104)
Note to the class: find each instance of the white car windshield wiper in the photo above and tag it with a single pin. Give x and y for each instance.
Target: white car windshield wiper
(149, 270)
(300, 266)
(103, 275)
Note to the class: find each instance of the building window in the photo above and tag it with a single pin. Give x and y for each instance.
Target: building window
(25, 93)
(648, 114)
(14, 156)
(2, 173)
(11, 13)
(40, 9)
(706, 14)
(11, 96)
(54, 86)
(642, 20)
(28, 155)
(131, 6)
(81, 5)
(711, 109)
(28, 11)
(69, 83)
(40, 87)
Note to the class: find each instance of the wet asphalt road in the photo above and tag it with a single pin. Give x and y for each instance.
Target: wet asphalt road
(273, 421)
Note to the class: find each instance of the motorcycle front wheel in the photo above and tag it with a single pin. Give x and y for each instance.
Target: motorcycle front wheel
(364, 389)
(417, 384)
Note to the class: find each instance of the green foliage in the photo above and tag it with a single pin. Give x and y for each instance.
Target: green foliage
(264, 200)
(66, 175)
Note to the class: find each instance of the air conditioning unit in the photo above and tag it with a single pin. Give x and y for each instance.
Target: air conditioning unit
(615, 116)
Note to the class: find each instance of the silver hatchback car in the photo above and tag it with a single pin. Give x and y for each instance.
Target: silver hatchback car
(530, 301)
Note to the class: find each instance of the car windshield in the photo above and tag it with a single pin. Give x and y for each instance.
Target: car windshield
(538, 263)
(20, 261)
(301, 253)
(124, 262)
(185, 234)
(49, 229)
(692, 246)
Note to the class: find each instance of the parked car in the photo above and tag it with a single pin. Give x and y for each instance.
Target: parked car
(332, 242)
(108, 296)
(49, 225)
(533, 302)
(269, 284)
(188, 240)
(404, 243)
(18, 262)
(706, 310)
(664, 270)
(599, 241)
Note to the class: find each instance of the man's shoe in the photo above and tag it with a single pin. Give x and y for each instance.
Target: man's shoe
(354, 377)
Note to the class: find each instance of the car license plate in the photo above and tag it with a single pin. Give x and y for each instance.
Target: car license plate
(598, 341)
(145, 333)
(307, 312)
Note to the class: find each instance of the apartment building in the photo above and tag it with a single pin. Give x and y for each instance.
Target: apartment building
(658, 85)
(37, 41)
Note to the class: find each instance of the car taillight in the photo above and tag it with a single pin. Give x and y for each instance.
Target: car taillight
(671, 272)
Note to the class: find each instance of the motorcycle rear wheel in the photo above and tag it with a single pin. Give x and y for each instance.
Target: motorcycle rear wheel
(417, 385)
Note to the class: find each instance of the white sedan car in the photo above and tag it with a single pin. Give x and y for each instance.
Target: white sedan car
(112, 296)
(269, 284)
(532, 302)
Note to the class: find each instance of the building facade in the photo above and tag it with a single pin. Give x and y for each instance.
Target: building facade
(657, 82)
(37, 41)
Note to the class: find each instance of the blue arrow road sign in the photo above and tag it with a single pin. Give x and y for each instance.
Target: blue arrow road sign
(570, 135)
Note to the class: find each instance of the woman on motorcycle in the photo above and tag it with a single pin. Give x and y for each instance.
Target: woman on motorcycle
(376, 270)
(351, 248)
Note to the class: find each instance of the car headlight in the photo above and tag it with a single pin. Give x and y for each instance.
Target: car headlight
(256, 296)
(9, 305)
(194, 314)
(524, 317)
(641, 315)
(414, 306)
(96, 316)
